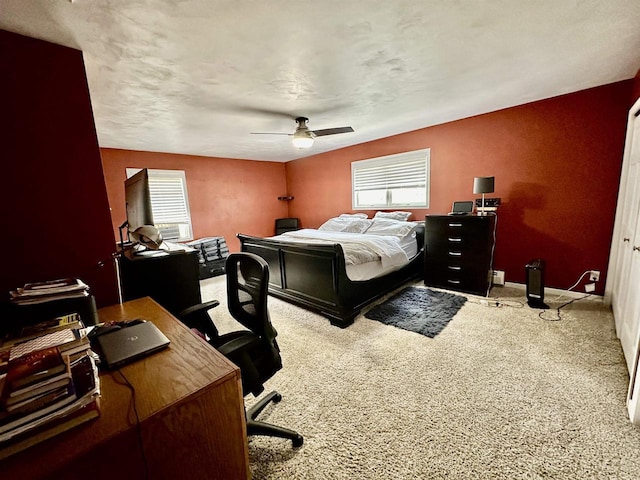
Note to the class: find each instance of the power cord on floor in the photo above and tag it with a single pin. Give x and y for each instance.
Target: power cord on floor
(558, 317)
(510, 303)
(496, 302)
(138, 430)
(562, 295)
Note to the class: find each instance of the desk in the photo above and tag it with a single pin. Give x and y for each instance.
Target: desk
(189, 400)
(172, 280)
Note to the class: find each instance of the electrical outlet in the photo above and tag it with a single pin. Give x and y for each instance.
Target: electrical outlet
(498, 277)
(595, 275)
(590, 287)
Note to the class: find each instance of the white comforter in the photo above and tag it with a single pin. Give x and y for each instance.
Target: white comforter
(358, 248)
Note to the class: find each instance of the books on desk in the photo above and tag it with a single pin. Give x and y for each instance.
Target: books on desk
(46, 410)
(48, 384)
(68, 340)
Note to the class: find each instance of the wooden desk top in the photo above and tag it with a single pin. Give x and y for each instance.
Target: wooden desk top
(167, 378)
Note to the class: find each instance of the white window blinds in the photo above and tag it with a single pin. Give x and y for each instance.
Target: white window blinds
(393, 181)
(170, 203)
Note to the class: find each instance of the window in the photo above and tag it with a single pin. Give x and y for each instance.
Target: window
(169, 202)
(393, 181)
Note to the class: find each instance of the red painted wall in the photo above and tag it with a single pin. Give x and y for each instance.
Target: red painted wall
(226, 196)
(557, 166)
(55, 213)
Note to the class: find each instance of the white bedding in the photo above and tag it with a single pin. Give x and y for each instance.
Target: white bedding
(366, 256)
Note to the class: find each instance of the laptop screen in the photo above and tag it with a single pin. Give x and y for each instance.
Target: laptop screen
(462, 207)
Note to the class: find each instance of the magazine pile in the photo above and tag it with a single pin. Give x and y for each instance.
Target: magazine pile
(42, 292)
(48, 382)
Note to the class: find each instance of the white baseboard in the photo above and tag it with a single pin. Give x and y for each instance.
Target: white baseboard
(554, 291)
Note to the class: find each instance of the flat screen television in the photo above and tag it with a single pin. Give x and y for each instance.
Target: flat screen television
(138, 200)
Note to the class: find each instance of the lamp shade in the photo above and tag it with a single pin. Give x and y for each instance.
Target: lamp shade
(483, 184)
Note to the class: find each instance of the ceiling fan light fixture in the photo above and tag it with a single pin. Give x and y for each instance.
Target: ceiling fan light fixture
(302, 139)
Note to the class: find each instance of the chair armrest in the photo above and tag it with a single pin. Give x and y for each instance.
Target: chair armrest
(201, 307)
(237, 345)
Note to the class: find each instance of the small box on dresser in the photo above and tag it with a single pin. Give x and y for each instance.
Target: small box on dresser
(459, 251)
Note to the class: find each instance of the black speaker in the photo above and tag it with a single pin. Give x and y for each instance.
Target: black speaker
(535, 283)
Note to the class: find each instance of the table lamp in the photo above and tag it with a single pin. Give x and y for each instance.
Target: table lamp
(483, 185)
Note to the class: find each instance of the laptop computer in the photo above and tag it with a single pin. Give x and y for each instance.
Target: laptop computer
(461, 208)
(130, 343)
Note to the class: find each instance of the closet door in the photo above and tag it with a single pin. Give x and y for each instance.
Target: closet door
(625, 299)
(630, 333)
(623, 282)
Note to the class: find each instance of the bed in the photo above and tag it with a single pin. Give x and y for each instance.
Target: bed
(320, 270)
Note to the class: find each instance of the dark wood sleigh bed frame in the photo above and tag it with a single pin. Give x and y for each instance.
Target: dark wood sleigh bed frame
(314, 276)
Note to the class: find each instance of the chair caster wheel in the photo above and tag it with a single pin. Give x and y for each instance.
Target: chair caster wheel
(298, 441)
(277, 397)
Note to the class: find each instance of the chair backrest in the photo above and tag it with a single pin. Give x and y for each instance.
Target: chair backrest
(286, 225)
(247, 288)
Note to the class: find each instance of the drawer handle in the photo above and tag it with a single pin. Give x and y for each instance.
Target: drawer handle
(454, 239)
(454, 267)
(455, 254)
(455, 282)
(455, 224)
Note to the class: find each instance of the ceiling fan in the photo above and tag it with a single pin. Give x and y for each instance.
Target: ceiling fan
(303, 137)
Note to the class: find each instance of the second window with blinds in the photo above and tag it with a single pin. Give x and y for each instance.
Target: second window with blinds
(393, 181)
(170, 203)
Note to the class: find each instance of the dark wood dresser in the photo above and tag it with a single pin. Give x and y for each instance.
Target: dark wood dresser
(172, 280)
(459, 251)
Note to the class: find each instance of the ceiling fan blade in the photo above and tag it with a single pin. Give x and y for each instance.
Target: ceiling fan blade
(270, 133)
(331, 131)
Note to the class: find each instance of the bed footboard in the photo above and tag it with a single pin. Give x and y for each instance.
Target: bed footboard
(314, 277)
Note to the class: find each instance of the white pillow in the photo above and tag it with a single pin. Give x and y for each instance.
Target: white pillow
(397, 215)
(353, 215)
(349, 225)
(388, 227)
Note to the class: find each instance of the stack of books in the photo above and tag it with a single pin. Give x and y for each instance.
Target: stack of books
(48, 382)
(42, 292)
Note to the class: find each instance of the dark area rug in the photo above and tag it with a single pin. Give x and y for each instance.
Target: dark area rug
(419, 310)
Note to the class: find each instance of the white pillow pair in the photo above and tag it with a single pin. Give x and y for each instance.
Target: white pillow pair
(397, 215)
(390, 227)
(377, 226)
(345, 224)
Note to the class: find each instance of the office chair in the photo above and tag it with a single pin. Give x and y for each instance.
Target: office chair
(254, 350)
(286, 225)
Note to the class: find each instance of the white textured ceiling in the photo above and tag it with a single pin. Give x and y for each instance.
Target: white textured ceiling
(198, 76)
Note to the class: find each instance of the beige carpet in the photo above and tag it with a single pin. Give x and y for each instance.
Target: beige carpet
(500, 393)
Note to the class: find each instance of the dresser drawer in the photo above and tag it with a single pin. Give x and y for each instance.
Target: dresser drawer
(456, 271)
(463, 252)
(458, 252)
(472, 280)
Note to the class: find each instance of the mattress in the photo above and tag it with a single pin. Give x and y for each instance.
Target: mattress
(402, 250)
(369, 270)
